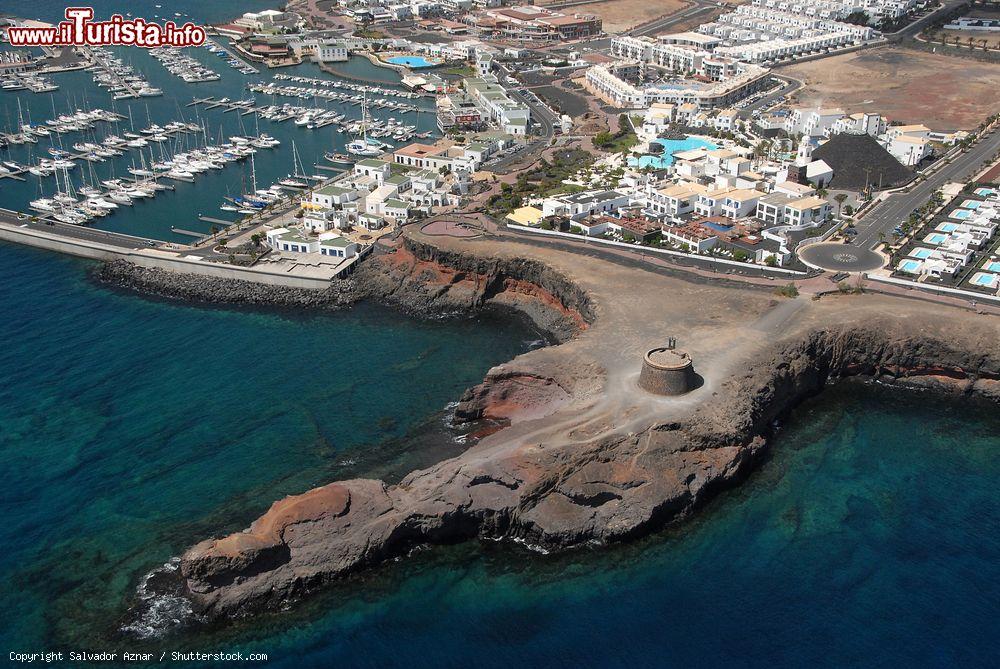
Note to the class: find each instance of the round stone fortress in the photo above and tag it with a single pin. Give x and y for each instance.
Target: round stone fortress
(667, 371)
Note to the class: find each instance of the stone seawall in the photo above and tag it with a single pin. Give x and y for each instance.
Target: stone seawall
(152, 259)
(417, 278)
(216, 290)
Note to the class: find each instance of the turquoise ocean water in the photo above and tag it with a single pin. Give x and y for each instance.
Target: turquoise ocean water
(130, 428)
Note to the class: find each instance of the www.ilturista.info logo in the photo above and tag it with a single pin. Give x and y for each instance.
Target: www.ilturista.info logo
(80, 30)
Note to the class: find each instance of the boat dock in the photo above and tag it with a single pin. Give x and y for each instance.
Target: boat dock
(80, 155)
(45, 233)
(65, 124)
(189, 233)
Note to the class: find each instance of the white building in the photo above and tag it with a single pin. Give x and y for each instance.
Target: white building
(586, 203)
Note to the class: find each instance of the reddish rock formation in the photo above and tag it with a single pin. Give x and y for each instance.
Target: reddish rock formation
(587, 456)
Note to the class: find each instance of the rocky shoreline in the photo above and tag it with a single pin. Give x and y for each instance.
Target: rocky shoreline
(586, 457)
(417, 279)
(124, 275)
(604, 491)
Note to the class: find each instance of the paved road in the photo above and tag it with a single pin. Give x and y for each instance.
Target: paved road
(665, 23)
(885, 216)
(840, 257)
(541, 117)
(77, 232)
(921, 23)
(791, 85)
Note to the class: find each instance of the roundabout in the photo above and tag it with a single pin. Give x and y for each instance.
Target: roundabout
(840, 257)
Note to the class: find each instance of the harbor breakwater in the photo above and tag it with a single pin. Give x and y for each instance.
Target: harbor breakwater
(582, 482)
(130, 250)
(418, 278)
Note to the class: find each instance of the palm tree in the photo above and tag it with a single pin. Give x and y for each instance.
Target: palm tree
(840, 198)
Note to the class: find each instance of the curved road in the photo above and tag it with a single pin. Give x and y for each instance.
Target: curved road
(879, 221)
(883, 217)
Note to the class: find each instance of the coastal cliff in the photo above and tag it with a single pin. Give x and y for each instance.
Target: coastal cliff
(583, 455)
(584, 491)
(417, 278)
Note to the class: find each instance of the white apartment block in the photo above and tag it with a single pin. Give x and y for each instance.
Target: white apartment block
(770, 31)
(909, 149)
(512, 117)
(681, 52)
(833, 9)
(860, 124)
(608, 84)
(812, 122)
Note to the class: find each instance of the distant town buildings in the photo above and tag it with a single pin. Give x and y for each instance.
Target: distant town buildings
(529, 23)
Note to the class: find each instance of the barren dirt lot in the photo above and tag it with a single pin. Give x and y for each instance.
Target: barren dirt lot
(942, 92)
(620, 15)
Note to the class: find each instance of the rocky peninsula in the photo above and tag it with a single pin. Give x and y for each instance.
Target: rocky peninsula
(586, 456)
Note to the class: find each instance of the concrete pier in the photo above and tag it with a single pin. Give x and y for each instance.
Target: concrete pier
(95, 244)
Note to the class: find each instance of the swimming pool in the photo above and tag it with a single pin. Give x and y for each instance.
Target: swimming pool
(986, 192)
(910, 266)
(412, 62)
(972, 204)
(961, 214)
(935, 238)
(948, 227)
(718, 227)
(921, 253)
(985, 280)
(992, 266)
(670, 147)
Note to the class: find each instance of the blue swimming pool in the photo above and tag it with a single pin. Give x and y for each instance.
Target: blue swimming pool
(921, 253)
(992, 266)
(961, 214)
(983, 279)
(972, 204)
(413, 62)
(718, 227)
(910, 266)
(670, 147)
(948, 227)
(935, 238)
(986, 192)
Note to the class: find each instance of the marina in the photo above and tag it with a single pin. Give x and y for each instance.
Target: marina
(120, 79)
(317, 117)
(79, 122)
(233, 61)
(89, 198)
(183, 66)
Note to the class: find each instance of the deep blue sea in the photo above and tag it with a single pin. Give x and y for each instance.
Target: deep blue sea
(130, 428)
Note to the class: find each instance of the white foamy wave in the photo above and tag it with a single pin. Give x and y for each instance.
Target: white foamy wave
(534, 548)
(159, 612)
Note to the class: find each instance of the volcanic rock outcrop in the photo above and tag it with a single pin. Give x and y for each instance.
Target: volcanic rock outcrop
(586, 456)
